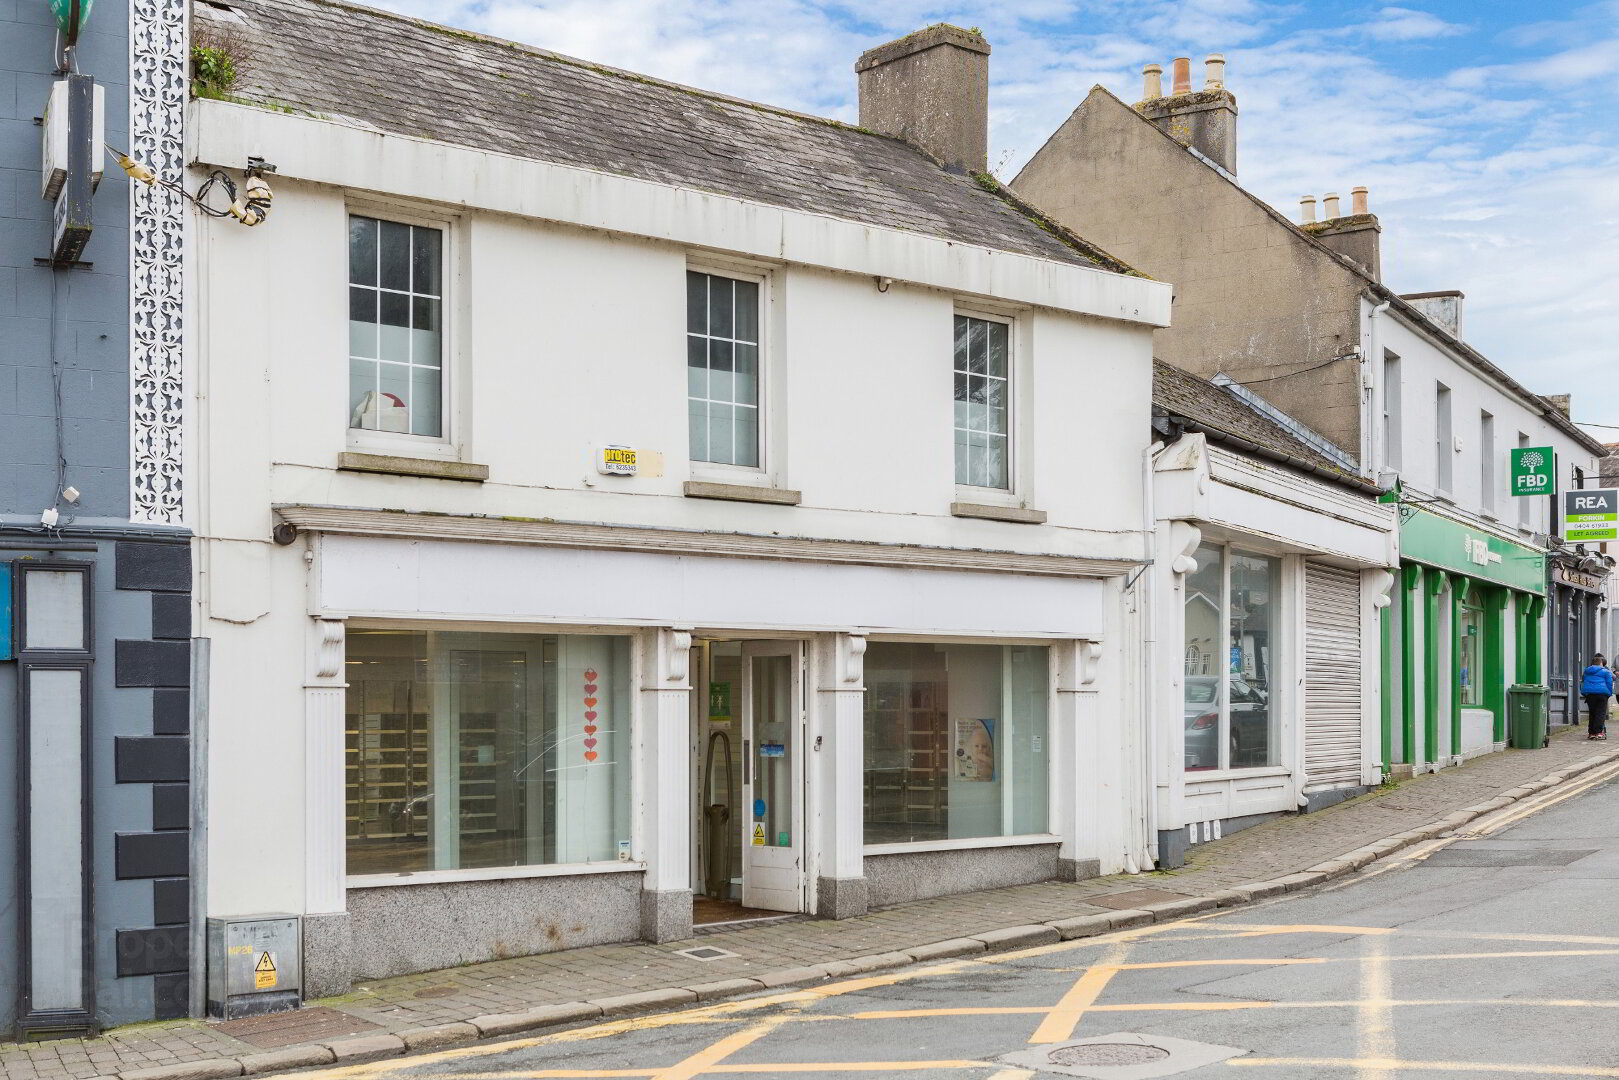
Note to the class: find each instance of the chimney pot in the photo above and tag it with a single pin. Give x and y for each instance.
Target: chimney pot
(1307, 209)
(1357, 200)
(1330, 205)
(1152, 82)
(1214, 72)
(1182, 68)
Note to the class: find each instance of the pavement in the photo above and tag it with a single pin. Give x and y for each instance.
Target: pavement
(506, 998)
(1486, 954)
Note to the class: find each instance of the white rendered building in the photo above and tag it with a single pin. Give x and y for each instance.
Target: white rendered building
(475, 683)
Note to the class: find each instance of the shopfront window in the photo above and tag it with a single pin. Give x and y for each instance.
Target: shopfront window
(477, 750)
(1472, 647)
(1231, 643)
(956, 741)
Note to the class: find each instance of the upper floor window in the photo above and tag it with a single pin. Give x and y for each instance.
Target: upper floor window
(982, 400)
(396, 316)
(1486, 459)
(1391, 410)
(1444, 440)
(722, 368)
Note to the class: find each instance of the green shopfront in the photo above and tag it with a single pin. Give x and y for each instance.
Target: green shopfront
(1465, 624)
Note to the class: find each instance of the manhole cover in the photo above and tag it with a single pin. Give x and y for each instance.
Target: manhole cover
(1107, 1054)
(435, 992)
(1121, 1054)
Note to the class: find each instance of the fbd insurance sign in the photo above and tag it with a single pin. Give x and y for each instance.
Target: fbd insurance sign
(1591, 516)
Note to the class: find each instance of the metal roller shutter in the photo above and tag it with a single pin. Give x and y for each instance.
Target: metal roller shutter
(1332, 659)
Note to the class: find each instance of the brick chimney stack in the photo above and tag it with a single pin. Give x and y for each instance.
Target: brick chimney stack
(1205, 120)
(1356, 236)
(931, 88)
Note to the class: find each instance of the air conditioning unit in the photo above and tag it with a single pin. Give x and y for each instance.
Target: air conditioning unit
(57, 137)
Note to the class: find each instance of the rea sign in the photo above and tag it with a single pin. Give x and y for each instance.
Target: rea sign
(1591, 516)
(1534, 471)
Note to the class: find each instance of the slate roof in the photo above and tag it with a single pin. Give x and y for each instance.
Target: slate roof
(1224, 416)
(405, 76)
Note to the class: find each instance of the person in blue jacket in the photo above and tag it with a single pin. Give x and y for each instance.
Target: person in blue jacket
(1596, 684)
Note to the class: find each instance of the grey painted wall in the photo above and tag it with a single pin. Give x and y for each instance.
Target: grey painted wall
(139, 703)
(92, 324)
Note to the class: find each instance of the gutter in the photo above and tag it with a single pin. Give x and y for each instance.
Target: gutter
(1364, 487)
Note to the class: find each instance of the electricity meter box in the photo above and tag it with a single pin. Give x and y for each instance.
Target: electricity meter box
(254, 965)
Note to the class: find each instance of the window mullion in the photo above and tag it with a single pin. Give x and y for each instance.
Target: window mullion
(1223, 741)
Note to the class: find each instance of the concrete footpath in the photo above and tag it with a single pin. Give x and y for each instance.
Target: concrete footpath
(507, 997)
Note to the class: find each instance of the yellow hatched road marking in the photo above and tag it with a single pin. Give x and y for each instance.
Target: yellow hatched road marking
(718, 1051)
(1062, 1018)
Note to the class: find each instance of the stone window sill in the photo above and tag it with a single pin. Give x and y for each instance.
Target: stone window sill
(700, 489)
(428, 468)
(986, 512)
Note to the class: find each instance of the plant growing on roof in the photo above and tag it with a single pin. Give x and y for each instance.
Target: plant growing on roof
(217, 58)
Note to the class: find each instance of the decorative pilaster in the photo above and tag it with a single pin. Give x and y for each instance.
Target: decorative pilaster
(327, 967)
(663, 759)
(1080, 781)
(838, 767)
(157, 99)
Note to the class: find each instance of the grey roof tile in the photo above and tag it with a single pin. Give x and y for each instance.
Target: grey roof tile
(402, 75)
(1182, 394)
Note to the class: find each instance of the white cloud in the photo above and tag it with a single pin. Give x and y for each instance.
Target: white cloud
(1406, 24)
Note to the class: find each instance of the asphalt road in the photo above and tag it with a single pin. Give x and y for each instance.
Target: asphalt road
(1494, 954)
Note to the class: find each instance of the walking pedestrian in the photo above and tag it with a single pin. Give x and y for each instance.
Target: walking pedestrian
(1596, 684)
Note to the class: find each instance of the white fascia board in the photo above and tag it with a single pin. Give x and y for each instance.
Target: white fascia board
(1298, 528)
(1285, 485)
(222, 134)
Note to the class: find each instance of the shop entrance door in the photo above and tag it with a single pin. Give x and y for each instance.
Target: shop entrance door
(772, 775)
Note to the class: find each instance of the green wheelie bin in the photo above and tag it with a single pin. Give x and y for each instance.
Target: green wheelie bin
(1526, 711)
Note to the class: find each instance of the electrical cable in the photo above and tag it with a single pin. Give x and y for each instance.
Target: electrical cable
(1290, 374)
(250, 208)
(47, 526)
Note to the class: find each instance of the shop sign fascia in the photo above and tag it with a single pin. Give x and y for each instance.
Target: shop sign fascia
(1578, 579)
(1428, 538)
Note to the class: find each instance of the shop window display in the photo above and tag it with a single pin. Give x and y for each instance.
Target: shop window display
(1231, 644)
(956, 741)
(478, 750)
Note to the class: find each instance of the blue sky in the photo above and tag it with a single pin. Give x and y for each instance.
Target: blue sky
(1485, 130)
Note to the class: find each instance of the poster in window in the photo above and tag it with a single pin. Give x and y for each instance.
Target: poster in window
(975, 749)
(719, 703)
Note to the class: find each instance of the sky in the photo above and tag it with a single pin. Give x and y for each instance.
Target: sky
(1485, 130)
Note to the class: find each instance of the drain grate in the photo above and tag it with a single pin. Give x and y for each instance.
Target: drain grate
(1107, 1054)
(705, 952)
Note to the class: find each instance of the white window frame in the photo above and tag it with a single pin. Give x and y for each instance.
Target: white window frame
(637, 860)
(1393, 443)
(1285, 693)
(1054, 808)
(1488, 479)
(447, 443)
(1013, 493)
(762, 474)
(1444, 440)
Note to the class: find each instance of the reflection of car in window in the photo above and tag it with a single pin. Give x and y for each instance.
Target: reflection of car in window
(1249, 736)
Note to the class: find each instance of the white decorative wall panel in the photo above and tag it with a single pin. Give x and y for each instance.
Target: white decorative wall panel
(157, 97)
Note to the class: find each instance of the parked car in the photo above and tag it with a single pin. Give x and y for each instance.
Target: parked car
(1250, 722)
